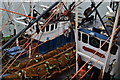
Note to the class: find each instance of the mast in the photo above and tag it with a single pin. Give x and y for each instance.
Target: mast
(15, 30)
(15, 27)
(30, 24)
(76, 34)
(31, 12)
(108, 56)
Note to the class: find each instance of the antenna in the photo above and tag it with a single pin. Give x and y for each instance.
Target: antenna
(31, 23)
(108, 56)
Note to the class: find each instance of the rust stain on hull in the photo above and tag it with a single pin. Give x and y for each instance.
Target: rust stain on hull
(93, 51)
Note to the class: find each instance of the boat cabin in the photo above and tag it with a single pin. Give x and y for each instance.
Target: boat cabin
(89, 42)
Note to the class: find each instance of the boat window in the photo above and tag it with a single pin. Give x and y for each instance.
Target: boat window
(85, 38)
(113, 49)
(52, 27)
(105, 46)
(56, 26)
(94, 42)
(79, 36)
(47, 28)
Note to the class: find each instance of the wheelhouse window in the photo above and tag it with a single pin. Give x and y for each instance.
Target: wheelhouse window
(85, 38)
(114, 49)
(55, 25)
(52, 27)
(47, 28)
(105, 46)
(94, 42)
(79, 36)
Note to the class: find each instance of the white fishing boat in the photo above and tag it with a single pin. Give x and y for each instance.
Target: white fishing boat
(49, 42)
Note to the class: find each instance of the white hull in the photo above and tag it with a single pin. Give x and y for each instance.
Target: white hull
(61, 27)
(86, 55)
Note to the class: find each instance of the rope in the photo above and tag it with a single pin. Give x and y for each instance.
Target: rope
(45, 42)
(93, 65)
(11, 47)
(7, 6)
(46, 23)
(26, 52)
(18, 56)
(16, 59)
(17, 13)
(13, 43)
(23, 45)
(9, 18)
(92, 56)
(44, 26)
(77, 4)
(28, 40)
(15, 55)
(4, 25)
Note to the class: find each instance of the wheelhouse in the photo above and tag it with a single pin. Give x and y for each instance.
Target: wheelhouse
(89, 42)
(96, 40)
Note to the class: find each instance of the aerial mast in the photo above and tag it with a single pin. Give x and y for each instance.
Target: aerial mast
(106, 65)
(30, 24)
(76, 34)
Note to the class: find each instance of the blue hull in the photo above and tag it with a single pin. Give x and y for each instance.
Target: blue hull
(55, 43)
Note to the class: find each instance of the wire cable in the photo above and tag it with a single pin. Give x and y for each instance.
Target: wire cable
(92, 56)
(17, 57)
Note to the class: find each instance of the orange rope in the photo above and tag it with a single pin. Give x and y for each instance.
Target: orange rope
(4, 25)
(26, 52)
(18, 57)
(17, 13)
(98, 59)
(43, 43)
(90, 58)
(9, 19)
(46, 23)
(13, 44)
(93, 65)
(93, 55)
(50, 18)
(23, 45)
(14, 55)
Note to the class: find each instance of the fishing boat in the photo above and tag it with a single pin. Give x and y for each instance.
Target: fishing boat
(98, 46)
(51, 45)
(47, 66)
(39, 46)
